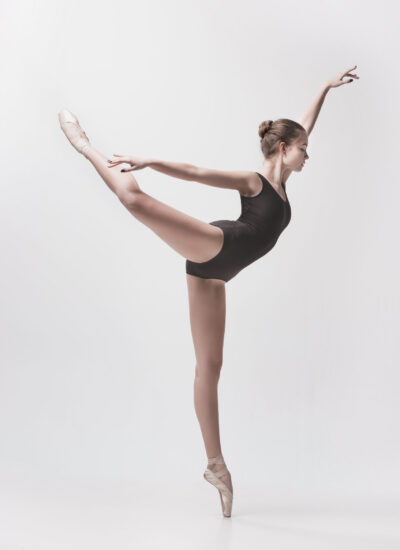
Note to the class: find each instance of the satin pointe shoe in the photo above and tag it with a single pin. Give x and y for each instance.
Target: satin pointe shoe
(71, 128)
(213, 477)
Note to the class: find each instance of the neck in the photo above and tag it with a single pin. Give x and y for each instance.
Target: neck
(275, 172)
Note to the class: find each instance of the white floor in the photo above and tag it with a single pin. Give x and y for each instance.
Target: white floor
(59, 516)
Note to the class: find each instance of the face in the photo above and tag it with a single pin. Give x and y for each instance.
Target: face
(296, 153)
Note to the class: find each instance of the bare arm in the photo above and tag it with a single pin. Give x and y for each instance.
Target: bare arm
(238, 180)
(309, 117)
(311, 114)
(180, 170)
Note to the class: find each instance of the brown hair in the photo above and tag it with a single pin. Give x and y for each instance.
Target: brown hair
(272, 132)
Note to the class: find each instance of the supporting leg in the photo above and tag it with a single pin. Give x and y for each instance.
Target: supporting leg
(207, 306)
(207, 322)
(206, 405)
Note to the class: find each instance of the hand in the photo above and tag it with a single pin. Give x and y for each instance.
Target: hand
(136, 163)
(337, 80)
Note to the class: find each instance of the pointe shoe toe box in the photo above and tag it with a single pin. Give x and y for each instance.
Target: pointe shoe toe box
(67, 116)
(71, 128)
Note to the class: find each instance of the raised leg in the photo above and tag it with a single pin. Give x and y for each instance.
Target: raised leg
(207, 308)
(194, 239)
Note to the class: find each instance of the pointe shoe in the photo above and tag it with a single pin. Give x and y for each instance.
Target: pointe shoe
(71, 128)
(213, 477)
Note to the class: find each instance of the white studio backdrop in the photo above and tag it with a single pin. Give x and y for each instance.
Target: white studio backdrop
(97, 361)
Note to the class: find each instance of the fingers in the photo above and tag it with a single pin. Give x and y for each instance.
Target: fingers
(348, 73)
(351, 69)
(116, 162)
(123, 159)
(120, 162)
(115, 155)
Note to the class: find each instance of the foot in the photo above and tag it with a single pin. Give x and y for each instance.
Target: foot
(71, 128)
(225, 478)
(218, 475)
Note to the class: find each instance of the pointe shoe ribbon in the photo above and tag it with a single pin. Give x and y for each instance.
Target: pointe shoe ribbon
(71, 128)
(212, 477)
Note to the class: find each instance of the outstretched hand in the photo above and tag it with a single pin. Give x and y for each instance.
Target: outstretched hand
(338, 79)
(134, 162)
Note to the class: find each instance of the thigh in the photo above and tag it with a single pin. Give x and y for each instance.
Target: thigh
(207, 306)
(194, 239)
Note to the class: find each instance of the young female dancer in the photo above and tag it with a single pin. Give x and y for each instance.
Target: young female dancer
(215, 252)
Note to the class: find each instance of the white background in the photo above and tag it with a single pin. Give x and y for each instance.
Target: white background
(97, 361)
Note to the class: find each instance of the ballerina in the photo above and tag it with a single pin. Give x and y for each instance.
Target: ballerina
(215, 252)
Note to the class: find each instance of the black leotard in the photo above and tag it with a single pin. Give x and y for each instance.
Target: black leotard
(253, 234)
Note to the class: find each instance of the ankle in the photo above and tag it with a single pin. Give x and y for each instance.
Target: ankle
(216, 459)
(217, 467)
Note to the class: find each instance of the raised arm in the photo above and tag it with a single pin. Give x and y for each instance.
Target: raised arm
(309, 117)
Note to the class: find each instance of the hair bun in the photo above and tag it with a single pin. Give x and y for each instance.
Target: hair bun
(264, 127)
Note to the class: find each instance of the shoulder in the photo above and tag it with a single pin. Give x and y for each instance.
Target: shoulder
(240, 180)
(251, 186)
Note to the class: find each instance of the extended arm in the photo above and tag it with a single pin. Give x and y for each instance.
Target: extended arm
(180, 170)
(309, 117)
(237, 180)
(311, 114)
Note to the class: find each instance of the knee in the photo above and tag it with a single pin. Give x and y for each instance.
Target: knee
(210, 368)
(131, 199)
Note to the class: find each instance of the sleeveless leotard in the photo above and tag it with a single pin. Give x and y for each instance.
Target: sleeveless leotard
(251, 236)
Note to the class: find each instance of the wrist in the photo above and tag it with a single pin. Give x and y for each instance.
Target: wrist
(326, 87)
